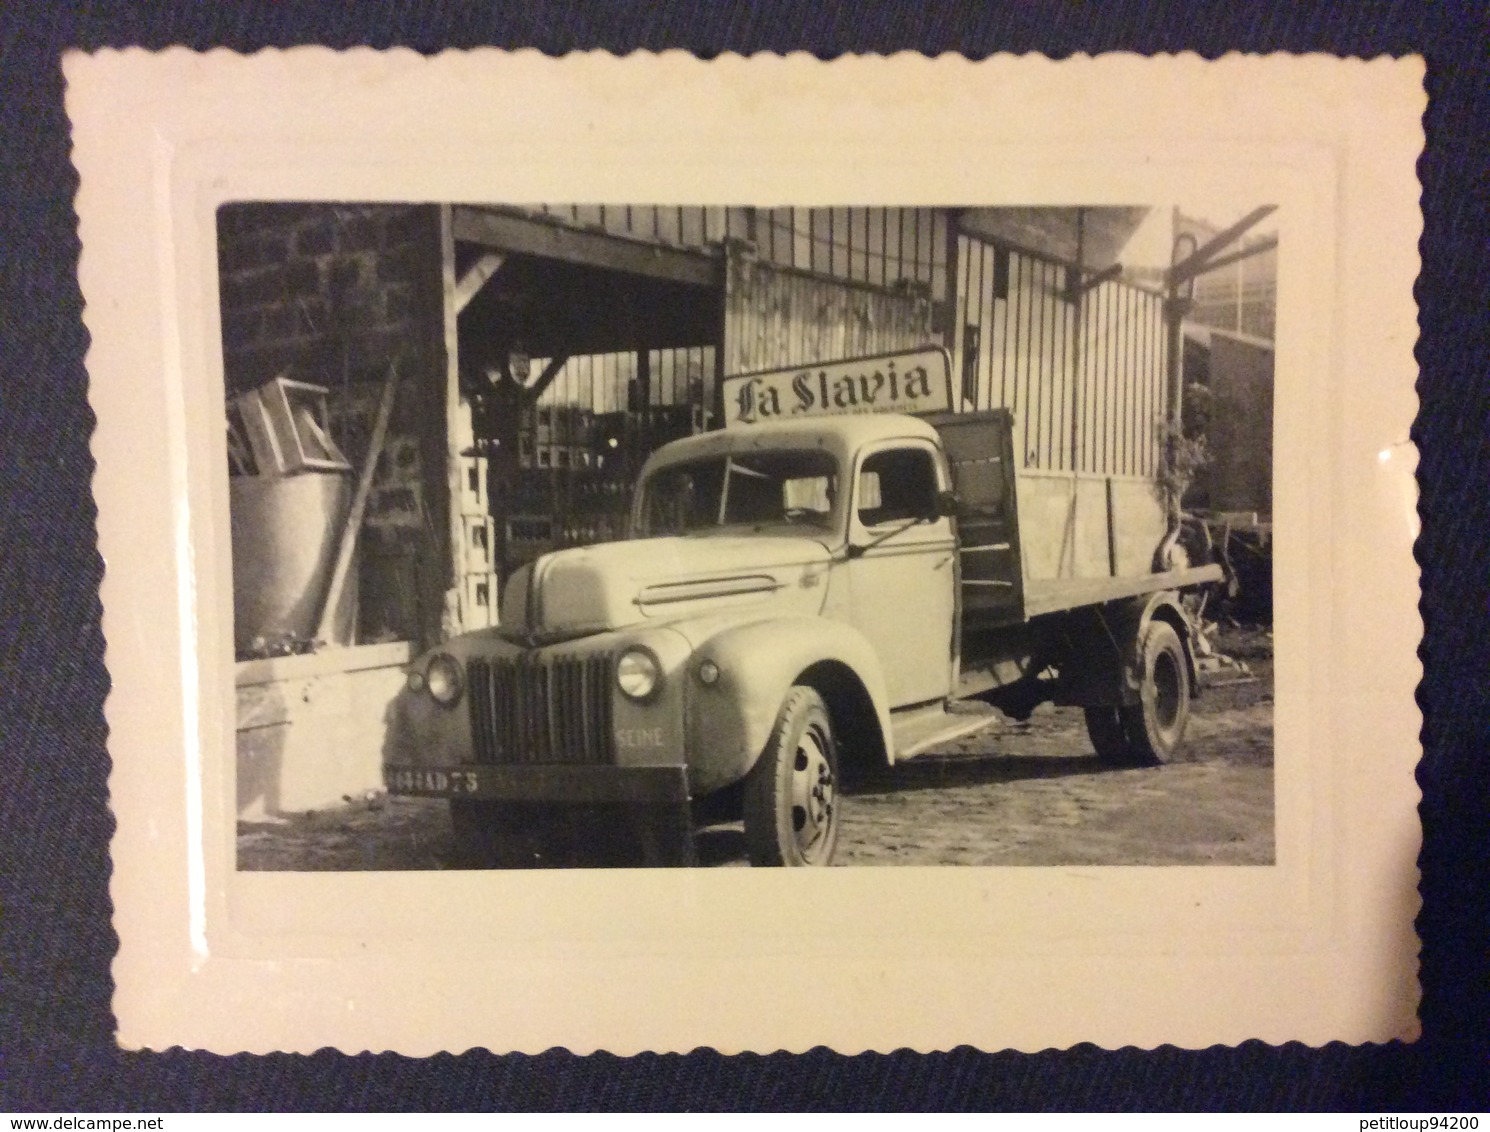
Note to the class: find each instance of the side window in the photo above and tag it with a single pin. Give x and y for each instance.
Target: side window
(898, 483)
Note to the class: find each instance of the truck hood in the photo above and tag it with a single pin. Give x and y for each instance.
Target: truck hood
(572, 593)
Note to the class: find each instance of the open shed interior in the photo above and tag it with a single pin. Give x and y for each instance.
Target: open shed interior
(423, 398)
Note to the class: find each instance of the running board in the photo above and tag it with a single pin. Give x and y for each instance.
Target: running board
(920, 729)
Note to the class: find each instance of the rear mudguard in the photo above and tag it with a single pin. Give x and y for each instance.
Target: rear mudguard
(1102, 655)
(729, 721)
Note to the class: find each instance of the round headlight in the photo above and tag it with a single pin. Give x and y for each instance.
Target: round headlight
(638, 674)
(708, 672)
(443, 679)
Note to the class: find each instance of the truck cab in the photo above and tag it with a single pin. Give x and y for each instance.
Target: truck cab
(870, 491)
(795, 597)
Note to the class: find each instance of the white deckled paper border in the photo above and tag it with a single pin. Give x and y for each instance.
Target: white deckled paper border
(1318, 947)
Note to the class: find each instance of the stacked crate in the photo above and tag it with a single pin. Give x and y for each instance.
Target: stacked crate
(476, 558)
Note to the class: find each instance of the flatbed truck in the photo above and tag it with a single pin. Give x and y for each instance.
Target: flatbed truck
(806, 592)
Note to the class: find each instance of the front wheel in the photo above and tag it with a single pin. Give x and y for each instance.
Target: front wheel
(495, 835)
(791, 794)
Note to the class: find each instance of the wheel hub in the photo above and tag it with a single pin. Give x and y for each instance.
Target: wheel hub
(1166, 692)
(813, 794)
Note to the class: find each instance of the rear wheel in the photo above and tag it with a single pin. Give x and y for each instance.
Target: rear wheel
(791, 794)
(1155, 725)
(1104, 725)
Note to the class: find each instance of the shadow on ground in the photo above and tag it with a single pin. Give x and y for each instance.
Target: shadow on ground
(937, 772)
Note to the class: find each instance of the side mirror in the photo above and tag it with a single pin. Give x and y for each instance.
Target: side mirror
(946, 504)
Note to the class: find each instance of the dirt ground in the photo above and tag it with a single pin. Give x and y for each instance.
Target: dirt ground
(1012, 794)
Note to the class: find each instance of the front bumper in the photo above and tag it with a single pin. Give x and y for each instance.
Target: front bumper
(642, 785)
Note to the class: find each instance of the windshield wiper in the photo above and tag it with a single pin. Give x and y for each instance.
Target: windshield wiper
(853, 550)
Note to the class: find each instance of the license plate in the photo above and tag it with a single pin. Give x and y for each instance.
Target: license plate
(437, 783)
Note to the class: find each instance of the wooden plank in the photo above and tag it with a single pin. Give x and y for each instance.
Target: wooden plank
(737, 224)
(1055, 595)
(668, 222)
(691, 227)
(936, 250)
(782, 317)
(551, 369)
(715, 224)
(776, 323)
(859, 246)
(507, 232)
(1154, 368)
(476, 278)
(804, 337)
(1130, 411)
(1066, 407)
(788, 238)
(839, 238)
(1041, 368)
(1091, 556)
(454, 412)
(959, 343)
(1054, 442)
(874, 245)
(974, 286)
(1099, 380)
(268, 670)
(347, 541)
(894, 247)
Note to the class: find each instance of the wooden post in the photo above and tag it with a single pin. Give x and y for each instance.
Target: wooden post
(346, 544)
(728, 329)
(1078, 302)
(474, 279)
(453, 617)
(951, 314)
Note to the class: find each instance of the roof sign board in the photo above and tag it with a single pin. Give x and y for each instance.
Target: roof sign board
(909, 381)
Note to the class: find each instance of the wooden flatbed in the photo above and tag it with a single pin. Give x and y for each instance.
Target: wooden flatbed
(1056, 595)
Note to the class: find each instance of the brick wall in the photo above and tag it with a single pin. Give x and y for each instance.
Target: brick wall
(326, 292)
(331, 294)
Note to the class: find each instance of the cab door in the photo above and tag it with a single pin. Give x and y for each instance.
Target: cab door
(980, 450)
(902, 569)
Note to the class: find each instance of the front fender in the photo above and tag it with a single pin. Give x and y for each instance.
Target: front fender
(728, 722)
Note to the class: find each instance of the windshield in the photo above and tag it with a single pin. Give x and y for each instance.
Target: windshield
(793, 486)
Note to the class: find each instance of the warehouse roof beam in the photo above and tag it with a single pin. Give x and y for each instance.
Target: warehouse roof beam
(504, 231)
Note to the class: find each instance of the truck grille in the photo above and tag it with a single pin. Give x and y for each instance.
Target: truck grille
(542, 710)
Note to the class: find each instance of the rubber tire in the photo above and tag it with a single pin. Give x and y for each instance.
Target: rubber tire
(493, 835)
(1156, 724)
(1104, 726)
(803, 728)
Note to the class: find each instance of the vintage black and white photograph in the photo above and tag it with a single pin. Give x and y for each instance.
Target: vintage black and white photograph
(520, 477)
(617, 535)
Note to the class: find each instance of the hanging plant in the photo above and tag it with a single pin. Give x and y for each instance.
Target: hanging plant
(1180, 457)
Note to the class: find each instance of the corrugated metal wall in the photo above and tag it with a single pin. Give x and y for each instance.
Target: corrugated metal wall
(1083, 376)
(777, 316)
(1122, 395)
(600, 383)
(887, 247)
(680, 225)
(1012, 340)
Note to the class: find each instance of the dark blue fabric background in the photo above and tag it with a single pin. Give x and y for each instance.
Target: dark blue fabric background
(56, 1031)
